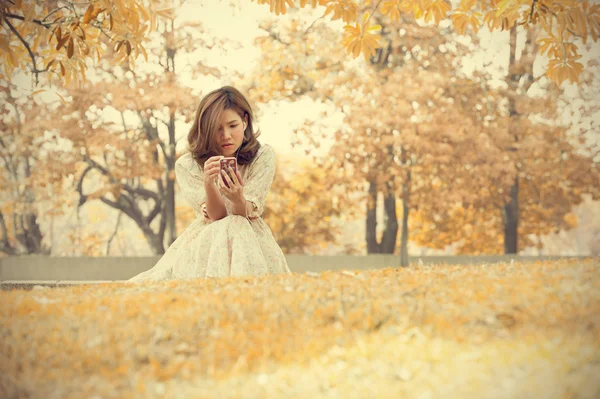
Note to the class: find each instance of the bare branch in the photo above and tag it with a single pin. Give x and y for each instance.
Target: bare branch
(163, 225)
(155, 211)
(533, 81)
(129, 211)
(141, 191)
(312, 24)
(82, 197)
(152, 132)
(114, 234)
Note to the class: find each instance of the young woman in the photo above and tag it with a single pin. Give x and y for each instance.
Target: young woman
(228, 236)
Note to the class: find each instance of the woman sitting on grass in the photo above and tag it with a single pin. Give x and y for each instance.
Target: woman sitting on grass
(228, 236)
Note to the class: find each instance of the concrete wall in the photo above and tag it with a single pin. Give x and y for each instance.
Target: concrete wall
(40, 268)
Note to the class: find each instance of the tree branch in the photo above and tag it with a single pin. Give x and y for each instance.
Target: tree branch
(36, 21)
(573, 33)
(141, 191)
(163, 225)
(531, 10)
(276, 37)
(114, 234)
(26, 45)
(124, 203)
(136, 216)
(312, 24)
(52, 12)
(155, 211)
(152, 133)
(79, 188)
(532, 82)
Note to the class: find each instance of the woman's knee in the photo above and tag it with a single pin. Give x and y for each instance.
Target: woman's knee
(232, 221)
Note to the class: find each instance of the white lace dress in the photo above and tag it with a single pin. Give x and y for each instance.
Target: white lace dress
(232, 246)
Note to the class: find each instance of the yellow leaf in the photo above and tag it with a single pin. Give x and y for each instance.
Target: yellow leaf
(391, 8)
(143, 51)
(347, 10)
(502, 6)
(87, 17)
(70, 48)
(62, 99)
(4, 44)
(359, 39)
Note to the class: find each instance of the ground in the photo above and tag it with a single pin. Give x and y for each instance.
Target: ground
(489, 331)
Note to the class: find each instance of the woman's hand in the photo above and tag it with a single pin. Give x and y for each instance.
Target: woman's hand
(235, 191)
(212, 166)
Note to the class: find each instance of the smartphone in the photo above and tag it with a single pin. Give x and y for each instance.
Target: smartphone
(232, 162)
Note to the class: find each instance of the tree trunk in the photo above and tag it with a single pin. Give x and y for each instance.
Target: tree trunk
(390, 234)
(510, 211)
(33, 235)
(154, 240)
(170, 199)
(405, 214)
(371, 226)
(27, 230)
(511, 220)
(404, 236)
(387, 245)
(516, 71)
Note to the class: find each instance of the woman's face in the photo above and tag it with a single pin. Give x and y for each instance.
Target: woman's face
(231, 133)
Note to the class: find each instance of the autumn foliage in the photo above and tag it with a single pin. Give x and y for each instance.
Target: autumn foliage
(302, 219)
(559, 22)
(59, 37)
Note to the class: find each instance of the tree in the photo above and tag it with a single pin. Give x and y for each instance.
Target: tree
(547, 168)
(29, 179)
(59, 37)
(560, 23)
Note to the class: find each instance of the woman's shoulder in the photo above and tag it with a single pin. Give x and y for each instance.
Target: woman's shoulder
(265, 151)
(187, 163)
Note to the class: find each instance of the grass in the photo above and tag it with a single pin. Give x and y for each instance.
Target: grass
(503, 330)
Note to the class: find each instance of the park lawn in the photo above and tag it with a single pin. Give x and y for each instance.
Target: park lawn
(490, 331)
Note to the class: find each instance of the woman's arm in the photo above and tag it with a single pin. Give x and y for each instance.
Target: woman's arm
(258, 183)
(215, 206)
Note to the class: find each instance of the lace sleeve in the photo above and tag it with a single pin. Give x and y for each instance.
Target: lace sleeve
(259, 180)
(190, 179)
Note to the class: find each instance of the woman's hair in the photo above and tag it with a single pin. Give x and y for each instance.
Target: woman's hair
(202, 136)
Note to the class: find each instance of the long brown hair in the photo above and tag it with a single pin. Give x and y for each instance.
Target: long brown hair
(202, 136)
